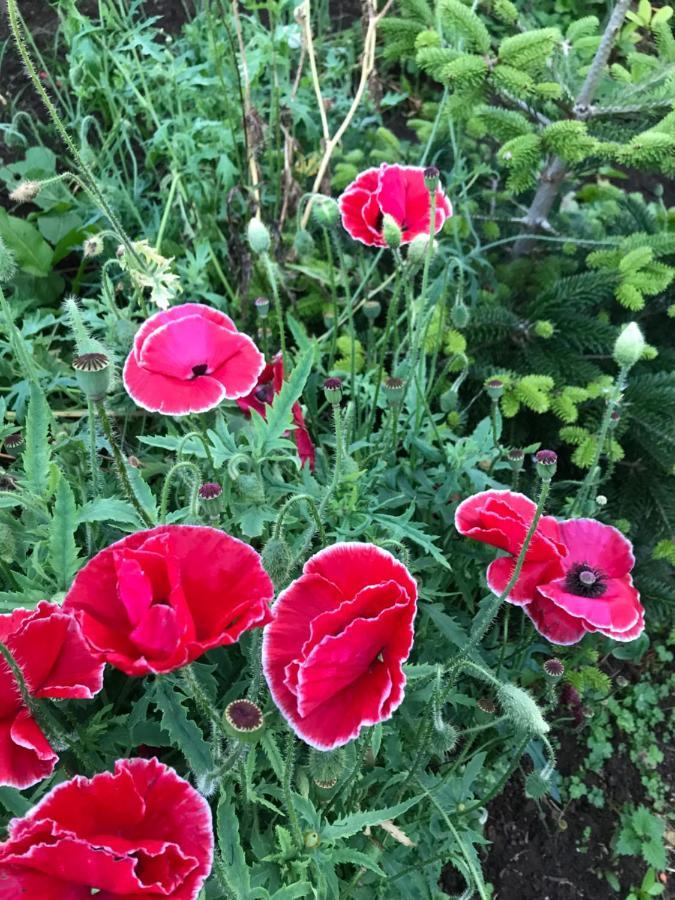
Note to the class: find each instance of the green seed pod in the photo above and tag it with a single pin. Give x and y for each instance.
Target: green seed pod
(394, 391)
(244, 720)
(494, 388)
(522, 710)
(94, 375)
(258, 236)
(332, 388)
(326, 766)
(324, 789)
(536, 786)
(372, 309)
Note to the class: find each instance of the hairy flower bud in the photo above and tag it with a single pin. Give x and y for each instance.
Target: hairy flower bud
(460, 315)
(277, 560)
(258, 236)
(391, 232)
(544, 329)
(25, 192)
(522, 710)
(417, 249)
(325, 211)
(93, 246)
(629, 346)
(536, 786)
(303, 243)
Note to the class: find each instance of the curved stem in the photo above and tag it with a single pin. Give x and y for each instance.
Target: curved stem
(120, 466)
(166, 487)
(313, 509)
(200, 437)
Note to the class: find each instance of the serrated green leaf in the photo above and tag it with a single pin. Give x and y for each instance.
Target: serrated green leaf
(185, 734)
(36, 456)
(231, 851)
(13, 801)
(110, 510)
(356, 858)
(356, 822)
(279, 415)
(293, 891)
(63, 556)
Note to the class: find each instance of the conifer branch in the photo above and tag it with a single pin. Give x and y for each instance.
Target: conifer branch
(554, 173)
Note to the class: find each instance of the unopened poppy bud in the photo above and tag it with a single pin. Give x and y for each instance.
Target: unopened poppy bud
(516, 458)
(536, 786)
(93, 246)
(629, 346)
(326, 765)
(431, 178)
(277, 559)
(417, 249)
(25, 192)
(544, 329)
(324, 788)
(494, 388)
(244, 720)
(372, 309)
(303, 243)
(333, 390)
(522, 710)
(393, 390)
(210, 491)
(391, 232)
(13, 442)
(554, 668)
(325, 211)
(546, 462)
(311, 840)
(460, 315)
(449, 399)
(328, 318)
(262, 306)
(94, 374)
(258, 236)
(7, 263)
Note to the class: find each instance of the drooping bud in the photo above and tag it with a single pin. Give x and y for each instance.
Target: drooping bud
(333, 390)
(494, 388)
(7, 263)
(629, 346)
(546, 462)
(325, 211)
(326, 766)
(258, 236)
(460, 315)
(431, 178)
(449, 399)
(244, 720)
(262, 306)
(94, 374)
(303, 243)
(25, 192)
(536, 786)
(417, 249)
(277, 560)
(394, 391)
(391, 232)
(522, 710)
(372, 309)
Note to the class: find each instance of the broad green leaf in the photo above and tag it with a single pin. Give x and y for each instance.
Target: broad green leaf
(356, 858)
(37, 452)
(356, 822)
(110, 510)
(32, 252)
(231, 851)
(13, 801)
(185, 734)
(279, 415)
(62, 548)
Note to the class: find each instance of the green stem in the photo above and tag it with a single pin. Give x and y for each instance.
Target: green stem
(391, 318)
(202, 701)
(93, 458)
(289, 768)
(120, 466)
(337, 468)
(313, 509)
(272, 278)
(200, 437)
(166, 487)
(496, 788)
(334, 299)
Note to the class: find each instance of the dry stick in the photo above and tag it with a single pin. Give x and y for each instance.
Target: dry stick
(248, 112)
(553, 175)
(367, 66)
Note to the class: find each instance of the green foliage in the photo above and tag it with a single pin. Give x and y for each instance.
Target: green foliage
(642, 834)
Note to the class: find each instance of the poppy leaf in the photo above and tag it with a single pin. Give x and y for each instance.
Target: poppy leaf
(280, 414)
(349, 825)
(231, 851)
(37, 455)
(63, 556)
(184, 733)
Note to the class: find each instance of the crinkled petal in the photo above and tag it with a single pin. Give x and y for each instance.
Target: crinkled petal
(597, 545)
(618, 609)
(351, 566)
(532, 574)
(554, 623)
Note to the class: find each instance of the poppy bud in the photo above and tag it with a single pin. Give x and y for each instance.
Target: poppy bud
(303, 243)
(444, 738)
(326, 765)
(371, 309)
(25, 192)
(93, 246)
(449, 399)
(333, 390)
(460, 315)
(536, 786)
(431, 178)
(629, 346)
(391, 232)
(325, 211)
(494, 388)
(546, 462)
(277, 560)
(394, 391)
(516, 458)
(311, 840)
(417, 249)
(522, 710)
(244, 720)
(93, 373)
(258, 236)
(262, 306)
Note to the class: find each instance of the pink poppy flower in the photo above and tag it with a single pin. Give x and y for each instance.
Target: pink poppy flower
(157, 599)
(397, 190)
(188, 359)
(270, 382)
(140, 831)
(55, 661)
(333, 654)
(576, 574)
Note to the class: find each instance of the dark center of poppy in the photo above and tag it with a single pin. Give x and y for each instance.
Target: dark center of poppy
(585, 581)
(201, 369)
(264, 393)
(378, 221)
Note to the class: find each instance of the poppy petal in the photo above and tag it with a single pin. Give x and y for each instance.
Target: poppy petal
(554, 623)
(617, 609)
(597, 545)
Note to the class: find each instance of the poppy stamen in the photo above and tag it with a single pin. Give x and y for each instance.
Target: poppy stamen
(585, 581)
(201, 369)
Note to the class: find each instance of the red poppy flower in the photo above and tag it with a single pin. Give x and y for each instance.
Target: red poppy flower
(189, 359)
(576, 573)
(55, 662)
(158, 599)
(270, 382)
(140, 831)
(399, 191)
(333, 654)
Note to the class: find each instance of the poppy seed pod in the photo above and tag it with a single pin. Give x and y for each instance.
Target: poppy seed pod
(94, 374)
(326, 766)
(333, 390)
(431, 178)
(629, 346)
(546, 462)
(258, 236)
(262, 307)
(394, 391)
(516, 458)
(522, 710)
(494, 388)
(372, 309)
(243, 720)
